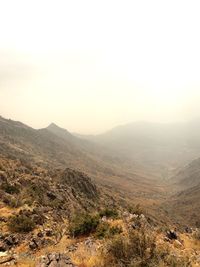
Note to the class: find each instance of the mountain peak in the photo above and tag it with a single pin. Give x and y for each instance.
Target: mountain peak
(53, 125)
(61, 132)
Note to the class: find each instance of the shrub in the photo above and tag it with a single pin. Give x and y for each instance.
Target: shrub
(13, 202)
(83, 224)
(21, 224)
(37, 192)
(135, 209)
(9, 188)
(115, 230)
(104, 230)
(136, 249)
(109, 213)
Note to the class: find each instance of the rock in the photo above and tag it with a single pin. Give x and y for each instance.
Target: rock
(72, 248)
(11, 240)
(133, 216)
(172, 235)
(89, 242)
(51, 195)
(3, 219)
(40, 234)
(104, 219)
(3, 247)
(33, 245)
(3, 254)
(55, 260)
(49, 232)
(188, 230)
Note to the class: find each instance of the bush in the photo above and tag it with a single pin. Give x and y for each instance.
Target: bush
(109, 213)
(13, 202)
(37, 192)
(104, 230)
(136, 249)
(21, 224)
(115, 230)
(135, 209)
(83, 224)
(10, 189)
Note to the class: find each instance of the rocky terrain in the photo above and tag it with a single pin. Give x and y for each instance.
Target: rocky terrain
(64, 204)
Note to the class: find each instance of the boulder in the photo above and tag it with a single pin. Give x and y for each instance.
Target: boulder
(172, 235)
(55, 260)
(3, 247)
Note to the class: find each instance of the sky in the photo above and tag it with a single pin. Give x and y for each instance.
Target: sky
(91, 65)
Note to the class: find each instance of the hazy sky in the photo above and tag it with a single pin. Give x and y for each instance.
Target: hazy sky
(91, 65)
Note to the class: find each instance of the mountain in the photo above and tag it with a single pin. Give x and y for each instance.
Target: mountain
(189, 175)
(61, 191)
(72, 202)
(54, 146)
(161, 146)
(184, 205)
(63, 133)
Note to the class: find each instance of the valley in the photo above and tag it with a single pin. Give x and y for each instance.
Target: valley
(139, 181)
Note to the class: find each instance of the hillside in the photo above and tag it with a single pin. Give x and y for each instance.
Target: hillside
(161, 147)
(188, 176)
(51, 217)
(65, 201)
(184, 205)
(53, 146)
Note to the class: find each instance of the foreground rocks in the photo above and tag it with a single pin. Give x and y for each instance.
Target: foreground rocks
(55, 260)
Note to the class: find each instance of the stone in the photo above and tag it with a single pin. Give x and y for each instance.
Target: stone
(33, 244)
(55, 260)
(172, 235)
(49, 232)
(3, 247)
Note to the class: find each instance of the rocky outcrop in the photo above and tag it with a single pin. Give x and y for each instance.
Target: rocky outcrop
(55, 260)
(80, 182)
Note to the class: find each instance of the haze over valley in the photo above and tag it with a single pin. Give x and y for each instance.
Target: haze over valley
(99, 133)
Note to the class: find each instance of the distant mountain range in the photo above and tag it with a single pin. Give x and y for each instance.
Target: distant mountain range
(157, 145)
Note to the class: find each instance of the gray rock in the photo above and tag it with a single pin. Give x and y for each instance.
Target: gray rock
(55, 260)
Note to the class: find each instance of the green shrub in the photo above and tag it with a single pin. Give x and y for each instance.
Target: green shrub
(115, 230)
(10, 189)
(136, 249)
(83, 224)
(21, 224)
(37, 193)
(13, 202)
(109, 213)
(102, 230)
